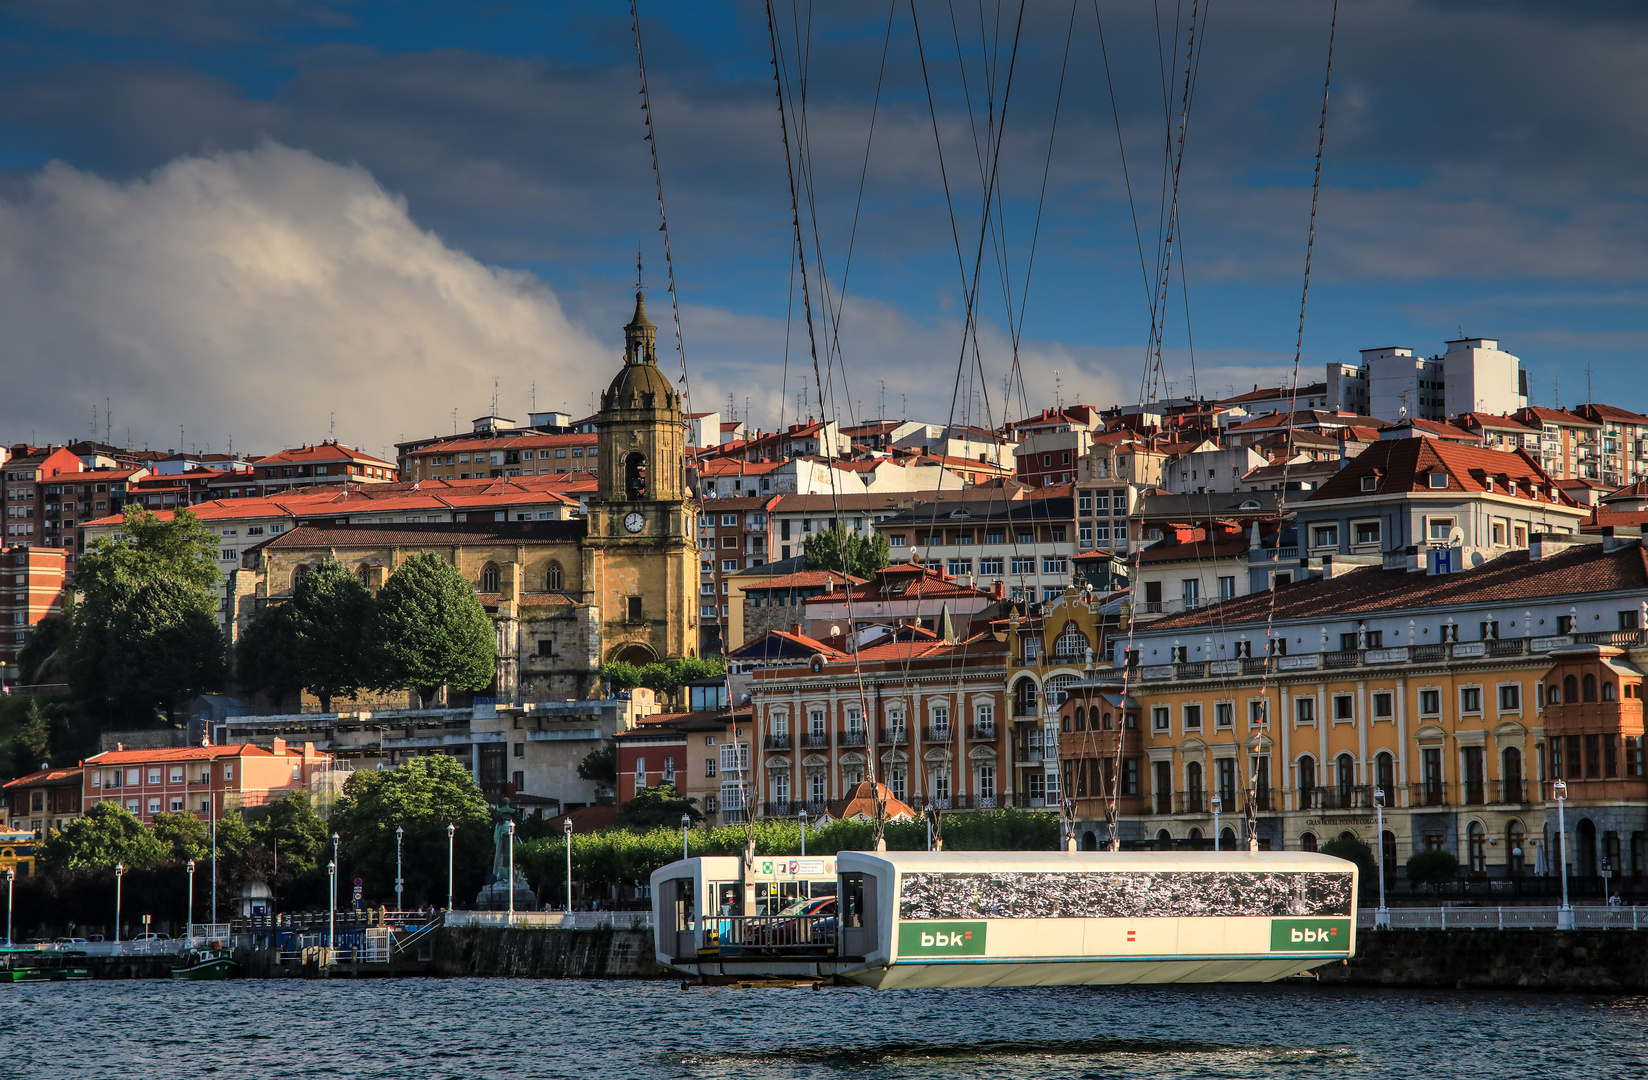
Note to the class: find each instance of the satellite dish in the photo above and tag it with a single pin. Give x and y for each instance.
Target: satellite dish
(1456, 537)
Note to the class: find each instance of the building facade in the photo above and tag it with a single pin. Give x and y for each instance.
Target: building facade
(207, 781)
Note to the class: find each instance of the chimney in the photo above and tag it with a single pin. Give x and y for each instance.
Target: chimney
(998, 590)
(279, 746)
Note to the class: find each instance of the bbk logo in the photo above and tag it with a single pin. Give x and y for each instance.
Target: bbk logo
(1313, 935)
(941, 940)
(1310, 935)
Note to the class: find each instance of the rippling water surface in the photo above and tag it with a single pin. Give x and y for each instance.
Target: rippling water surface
(431, 1028)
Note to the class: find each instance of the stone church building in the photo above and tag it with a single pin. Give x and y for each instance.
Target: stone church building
(565, 596)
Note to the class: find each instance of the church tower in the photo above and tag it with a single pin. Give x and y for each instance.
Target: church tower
(641, 550)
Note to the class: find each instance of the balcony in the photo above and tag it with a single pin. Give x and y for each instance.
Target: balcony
(1428, 794)
(815, 740)
(897, 736)
(1340, 797)
(776, 742)
(985, 732)
(937, 733)
(853, 737)
(1024, 709)
(1513, 792)
(1023, 755)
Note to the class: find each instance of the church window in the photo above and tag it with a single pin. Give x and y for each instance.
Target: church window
(555, 577)
(635, 475)
(489, 578)
(634, 608)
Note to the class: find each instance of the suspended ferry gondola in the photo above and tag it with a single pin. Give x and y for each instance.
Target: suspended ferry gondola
(1019, 918)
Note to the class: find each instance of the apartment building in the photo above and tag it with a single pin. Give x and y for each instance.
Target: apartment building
(33, 585)
(1461, 697)
(926, 717)
(796, 517)
(1569, 444)
(43, 801)
(481, 458)
(1622, 451)
(701, 753)
(208, 781)
(51, 494)
(327, 464)
(734, 534)
(1022, 540)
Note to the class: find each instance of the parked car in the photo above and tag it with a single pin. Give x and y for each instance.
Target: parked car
(70, 941)
(152, 937)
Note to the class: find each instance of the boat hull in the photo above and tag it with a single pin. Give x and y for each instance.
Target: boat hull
(221, 968)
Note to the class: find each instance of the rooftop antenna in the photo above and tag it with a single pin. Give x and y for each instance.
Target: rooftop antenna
(1058, 392)
(1588, 396)
(881, 408)
(332, 427)
(494, 398)
(94, 422)
(534, 395)
(640, 283)
(454, 421)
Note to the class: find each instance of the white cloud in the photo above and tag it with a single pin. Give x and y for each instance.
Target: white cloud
(252, 293)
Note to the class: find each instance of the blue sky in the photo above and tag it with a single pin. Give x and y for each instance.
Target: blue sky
(182, 184)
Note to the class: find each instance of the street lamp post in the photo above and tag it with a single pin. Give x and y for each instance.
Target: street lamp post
(1564, 916)
(1381, 918)
(803, 834)
(119, 872)
(451, 831)
(567, 826)
(509, 829)
(11, 876)
(1217, 804)
(190, 866)
(213, 801)
(1607, 871)
(332, 911)
(399, 881)
(336, 862)
(686, 823)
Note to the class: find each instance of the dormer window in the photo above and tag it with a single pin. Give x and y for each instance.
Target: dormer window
(1370, 483)
(1439, 480)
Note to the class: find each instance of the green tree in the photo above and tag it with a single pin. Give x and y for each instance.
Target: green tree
(330, 614)
(1432, 866)
(620, 675)
(846, 551)
(294, 834)
(656, 807)
(103, 836)
(31, 745)
(430, 630)
(144, 642)
(44, 657)
(600, 765)
(181, 547)
(1353, 850)
(422, 797)
(266, 657)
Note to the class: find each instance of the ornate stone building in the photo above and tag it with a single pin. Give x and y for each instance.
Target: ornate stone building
(565, 596)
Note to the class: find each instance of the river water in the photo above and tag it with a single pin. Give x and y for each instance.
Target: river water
(437, 1028)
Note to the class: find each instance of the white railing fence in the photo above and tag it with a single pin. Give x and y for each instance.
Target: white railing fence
(554, 920)
(1506, 918)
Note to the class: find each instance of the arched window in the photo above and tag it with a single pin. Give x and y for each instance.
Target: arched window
(1590, 687)
(1164, 840)
(1345, 766)
(1193, 788)
(1108, 722)
(299, 574)
(1090, 842)
(489, 577)
(1081, 718)
(1071, 644)
(1307, 841)
(556, 580)
(1064, 722)
(1055, 688)
(1307, 774)
(1228, 839)
(1516, 857)
(1477, 848)
(1510, 776)
(1608, 690)
(1024, 697)
(1384, 768)
(635, 475)
(364, 572)
(1570, 689)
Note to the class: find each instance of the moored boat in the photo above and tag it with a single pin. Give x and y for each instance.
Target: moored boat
(42, 965)
(207, 964)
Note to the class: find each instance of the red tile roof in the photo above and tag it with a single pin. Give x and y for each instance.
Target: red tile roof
(1513, 578)
(326, 451)
(806, 579)
(41, 777)
(430, 534)
(1405, 465)
(185, 753)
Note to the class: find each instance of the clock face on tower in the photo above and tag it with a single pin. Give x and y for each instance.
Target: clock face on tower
(635, 521)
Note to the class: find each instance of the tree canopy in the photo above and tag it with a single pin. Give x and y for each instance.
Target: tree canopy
(266, 657)
(1432, 866)
(146, 635)
(1353, 850)
(330, 616)
(106, 834)
(422, 796)
(294, 834)
(657, 807)
(846, 551)
(45, 655)
(431, 630)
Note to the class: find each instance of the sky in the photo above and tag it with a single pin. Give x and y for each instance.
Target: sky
(263, 224)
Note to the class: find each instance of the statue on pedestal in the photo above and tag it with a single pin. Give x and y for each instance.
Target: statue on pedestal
(495, 896)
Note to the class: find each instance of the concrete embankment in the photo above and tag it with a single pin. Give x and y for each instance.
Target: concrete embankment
(1586, 961)
(524, 953)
